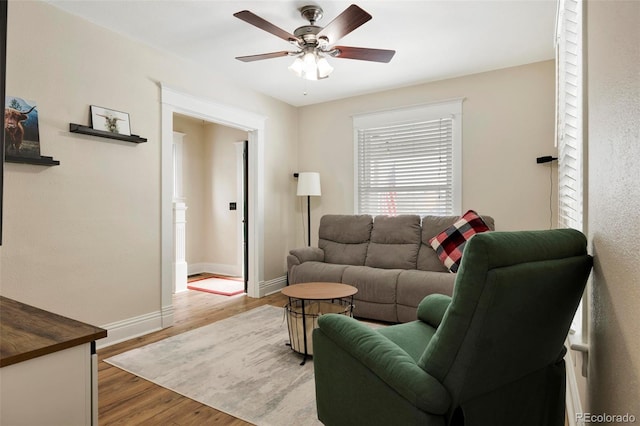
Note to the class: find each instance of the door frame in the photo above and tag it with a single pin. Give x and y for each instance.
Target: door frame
(174, 101)
(242, 191)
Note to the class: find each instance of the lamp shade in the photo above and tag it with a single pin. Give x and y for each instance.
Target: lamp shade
(309, 184)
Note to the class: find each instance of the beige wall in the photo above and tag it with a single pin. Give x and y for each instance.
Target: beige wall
(221, 226)
(613, 35)
(210, 183)
(83, 238)
(508, 118)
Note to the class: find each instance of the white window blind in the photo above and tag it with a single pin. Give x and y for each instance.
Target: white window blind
(569, 114)
(408, 161)
(570, 141)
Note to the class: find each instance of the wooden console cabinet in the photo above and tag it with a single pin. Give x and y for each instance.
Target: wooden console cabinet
(48, 368)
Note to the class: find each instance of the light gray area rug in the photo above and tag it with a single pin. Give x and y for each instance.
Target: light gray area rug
(240, 365)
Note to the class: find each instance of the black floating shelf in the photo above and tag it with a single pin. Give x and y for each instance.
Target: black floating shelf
(42, 161)
(77, 128)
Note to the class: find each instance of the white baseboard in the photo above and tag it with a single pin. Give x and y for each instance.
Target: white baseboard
(130, 328)
(272, 286)
(215, 268)
(167, 316)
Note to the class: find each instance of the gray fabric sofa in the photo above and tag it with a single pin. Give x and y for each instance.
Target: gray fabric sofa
(389, 260)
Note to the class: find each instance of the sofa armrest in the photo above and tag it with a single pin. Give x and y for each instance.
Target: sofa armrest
(432, 309)
(384, 359)
(308, 254)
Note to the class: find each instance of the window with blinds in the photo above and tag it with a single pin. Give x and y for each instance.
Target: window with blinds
(570, 141)
(569, 115)
(408, 161)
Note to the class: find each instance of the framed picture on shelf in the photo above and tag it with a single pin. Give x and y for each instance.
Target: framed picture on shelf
(21, 130)
(110, 120)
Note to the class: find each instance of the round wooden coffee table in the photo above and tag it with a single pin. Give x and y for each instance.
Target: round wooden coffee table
(316, 291)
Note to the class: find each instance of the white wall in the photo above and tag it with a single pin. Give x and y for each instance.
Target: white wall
(83, 239)
(613, 84)
(508, 121)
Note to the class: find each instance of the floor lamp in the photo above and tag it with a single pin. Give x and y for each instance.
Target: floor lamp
(308, 185)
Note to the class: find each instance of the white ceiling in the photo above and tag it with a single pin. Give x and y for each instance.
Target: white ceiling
(433, 40)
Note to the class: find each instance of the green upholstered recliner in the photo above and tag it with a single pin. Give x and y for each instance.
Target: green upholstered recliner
(490, 355)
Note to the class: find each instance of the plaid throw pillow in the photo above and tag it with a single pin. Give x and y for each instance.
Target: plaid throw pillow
(449, 243)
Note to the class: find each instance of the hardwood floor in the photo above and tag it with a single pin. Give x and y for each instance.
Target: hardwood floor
(126, 399)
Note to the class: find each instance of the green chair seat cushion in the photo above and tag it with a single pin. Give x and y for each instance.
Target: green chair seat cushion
(413, 337)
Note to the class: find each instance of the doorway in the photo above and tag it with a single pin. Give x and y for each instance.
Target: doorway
(209, 187)
(174, 101)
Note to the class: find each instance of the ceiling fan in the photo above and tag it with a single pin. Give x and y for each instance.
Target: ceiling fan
(314, 43)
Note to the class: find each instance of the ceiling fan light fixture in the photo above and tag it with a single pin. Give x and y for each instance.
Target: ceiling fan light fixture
(304, 66)
(311, 66)
(296, 67)
(324, 68)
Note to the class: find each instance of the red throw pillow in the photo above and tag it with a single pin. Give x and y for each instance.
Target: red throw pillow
(449, 243)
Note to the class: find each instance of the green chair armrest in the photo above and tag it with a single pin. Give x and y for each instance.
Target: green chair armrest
(388, 361)
(432, 309)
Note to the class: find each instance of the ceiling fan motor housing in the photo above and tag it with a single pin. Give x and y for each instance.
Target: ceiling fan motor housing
(311, 13)
(308, 33)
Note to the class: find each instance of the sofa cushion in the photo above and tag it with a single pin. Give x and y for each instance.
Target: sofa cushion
(450, 243)
(395, 241)
(431, 226)
(376, 296)
(345, 238)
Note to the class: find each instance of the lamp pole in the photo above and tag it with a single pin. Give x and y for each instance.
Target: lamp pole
(308, 221)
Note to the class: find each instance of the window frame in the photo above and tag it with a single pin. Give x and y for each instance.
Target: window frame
(578, 337)
(570, 119)
(451, 108)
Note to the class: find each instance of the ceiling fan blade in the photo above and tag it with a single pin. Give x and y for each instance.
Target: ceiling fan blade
(260, 57)
(343, 24)
(364, 54)
(267, 26)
